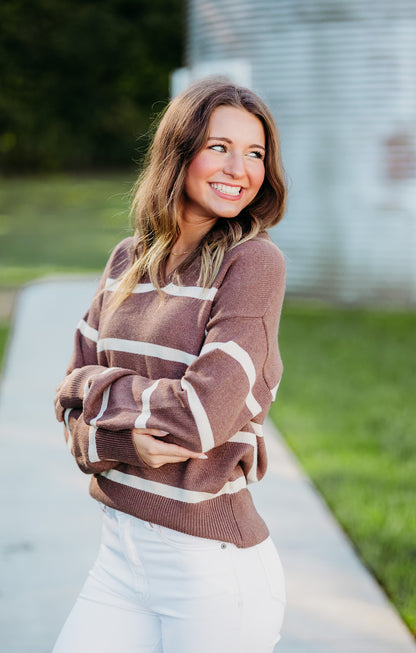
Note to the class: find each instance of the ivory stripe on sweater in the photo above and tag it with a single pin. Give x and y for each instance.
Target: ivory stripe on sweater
(104, 404)
(112, 284)
(87, 384)
(86, 387)
(92, 444)
(258, 429)
(274, 391)
(141, 420)
(67, 413)
(246, 437)
(170, 491)
(201, 418)
(145, 349)
(243, 358)
(88, 331)
(194, 292)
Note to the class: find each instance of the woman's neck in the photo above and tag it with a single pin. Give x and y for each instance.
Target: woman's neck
(191, 234)
(192, 230)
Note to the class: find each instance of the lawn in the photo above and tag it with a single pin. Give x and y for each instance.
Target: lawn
(60, 224)
(4, 332)
(346, 402)
(346, 406)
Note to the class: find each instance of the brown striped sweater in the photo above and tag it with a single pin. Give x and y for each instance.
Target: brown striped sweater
(203, 366)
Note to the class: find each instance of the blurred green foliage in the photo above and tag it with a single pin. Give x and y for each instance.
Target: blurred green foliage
(82, 80)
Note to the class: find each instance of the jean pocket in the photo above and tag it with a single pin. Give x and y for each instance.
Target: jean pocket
(273, 569)
(184, 541)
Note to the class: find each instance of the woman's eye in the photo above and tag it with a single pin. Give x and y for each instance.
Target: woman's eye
(256, 154)
(219, 147)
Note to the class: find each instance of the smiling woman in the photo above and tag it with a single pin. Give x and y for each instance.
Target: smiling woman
(230, 167)
(183, 134)
(174, 369)
(223, 178)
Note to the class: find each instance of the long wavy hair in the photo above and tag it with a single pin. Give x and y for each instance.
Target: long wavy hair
(159, 191)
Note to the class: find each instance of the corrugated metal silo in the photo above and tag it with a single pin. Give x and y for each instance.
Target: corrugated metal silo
(340, 78)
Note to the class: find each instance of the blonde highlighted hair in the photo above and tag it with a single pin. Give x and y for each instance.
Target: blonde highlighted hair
(159, 191)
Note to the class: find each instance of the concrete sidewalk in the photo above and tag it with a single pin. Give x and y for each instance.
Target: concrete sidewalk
(50, 527)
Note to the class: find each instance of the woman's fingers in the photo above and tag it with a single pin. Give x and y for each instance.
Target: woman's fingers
(158, 433)
(59, 410)
(156, 453)
(157, 448)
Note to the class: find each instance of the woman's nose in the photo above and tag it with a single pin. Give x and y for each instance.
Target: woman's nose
(234, 165)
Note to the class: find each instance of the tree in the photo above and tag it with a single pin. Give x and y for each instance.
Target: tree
(81, 79)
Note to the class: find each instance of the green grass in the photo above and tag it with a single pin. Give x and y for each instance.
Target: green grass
(60, 224)
(4, 332)
(347, 408)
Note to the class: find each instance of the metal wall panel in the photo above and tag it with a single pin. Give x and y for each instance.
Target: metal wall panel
(340, 78)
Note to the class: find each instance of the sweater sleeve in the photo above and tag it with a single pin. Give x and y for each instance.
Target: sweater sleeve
(81, 437)
(233, 380)
(82, 442)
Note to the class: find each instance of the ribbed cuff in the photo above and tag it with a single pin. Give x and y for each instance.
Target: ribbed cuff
(118, 445)
(72, 392)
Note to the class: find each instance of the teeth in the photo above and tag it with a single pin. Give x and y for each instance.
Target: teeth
(228, 190)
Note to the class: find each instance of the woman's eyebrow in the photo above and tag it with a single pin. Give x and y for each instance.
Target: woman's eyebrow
(227, 140)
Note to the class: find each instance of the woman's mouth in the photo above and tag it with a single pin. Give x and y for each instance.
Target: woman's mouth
(224, 190)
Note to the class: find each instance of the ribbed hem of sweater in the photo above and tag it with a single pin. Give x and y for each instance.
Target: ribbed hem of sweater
(228, 518)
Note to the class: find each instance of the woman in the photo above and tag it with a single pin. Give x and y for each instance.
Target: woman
(174, 369)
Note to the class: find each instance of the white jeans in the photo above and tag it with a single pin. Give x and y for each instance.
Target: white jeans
(155, 590)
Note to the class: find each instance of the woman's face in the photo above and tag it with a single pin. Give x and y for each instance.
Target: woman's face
(226, 175)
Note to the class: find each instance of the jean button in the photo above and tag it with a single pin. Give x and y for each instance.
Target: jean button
(223, 545)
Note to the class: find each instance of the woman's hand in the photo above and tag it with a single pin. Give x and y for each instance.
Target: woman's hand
(59, 410)
(156, 453)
